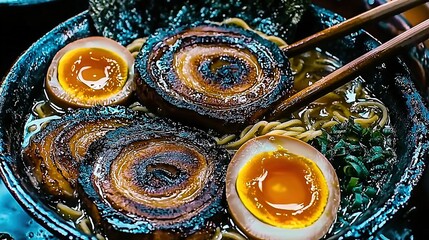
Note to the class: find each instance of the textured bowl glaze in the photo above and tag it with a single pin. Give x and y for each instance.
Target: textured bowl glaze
(391, 81)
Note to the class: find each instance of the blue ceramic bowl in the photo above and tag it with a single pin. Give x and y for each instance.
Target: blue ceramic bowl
(390, 81)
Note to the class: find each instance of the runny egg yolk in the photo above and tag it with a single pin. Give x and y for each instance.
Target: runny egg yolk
(88, 73)
(283, 189)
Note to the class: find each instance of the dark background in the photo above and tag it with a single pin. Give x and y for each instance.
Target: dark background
(22, 25)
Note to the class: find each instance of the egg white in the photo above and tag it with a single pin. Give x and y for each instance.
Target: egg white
(254, 227)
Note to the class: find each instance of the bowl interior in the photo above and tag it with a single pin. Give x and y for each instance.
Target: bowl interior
(391, 82)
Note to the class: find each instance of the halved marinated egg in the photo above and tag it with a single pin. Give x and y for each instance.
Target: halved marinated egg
(278, 187)
(90, 71)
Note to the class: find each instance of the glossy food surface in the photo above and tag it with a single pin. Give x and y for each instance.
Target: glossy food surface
(84, 70)
(407, 110)
(56, 150)
(299, 205)
(283, 189)
(90, 71)
(224, 76)
(154, 179)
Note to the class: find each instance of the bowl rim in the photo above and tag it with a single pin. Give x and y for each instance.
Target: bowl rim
(20, 3)
(42, 215)
(49, 219)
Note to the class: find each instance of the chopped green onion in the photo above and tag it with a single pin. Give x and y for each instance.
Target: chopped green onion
(371, 192)
(353, 182)
(375, 158)
(355, 149)
(363, 155)
(387, 131)
(339, 152)
(377, 138)
(357, 189)
(340, 144)
(357, 203)
(360, 169)
(349, 170)
(377, 150)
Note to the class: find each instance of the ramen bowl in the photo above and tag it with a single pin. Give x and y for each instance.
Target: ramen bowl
(391, 82)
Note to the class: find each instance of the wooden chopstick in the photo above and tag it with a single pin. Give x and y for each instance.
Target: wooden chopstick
(383, 11)
(351, 70)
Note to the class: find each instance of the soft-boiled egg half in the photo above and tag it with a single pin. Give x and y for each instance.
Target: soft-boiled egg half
(278, 187)
(90, 71)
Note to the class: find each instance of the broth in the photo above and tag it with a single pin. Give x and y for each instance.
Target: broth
(328, 116)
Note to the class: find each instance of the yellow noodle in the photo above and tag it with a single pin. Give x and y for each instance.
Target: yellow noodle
(296, 64)
(136, 106)
(310, 135)
(314, 135)
(317, 124)
(339, 116)
(383, 109)
(236, 21)
(334, 96)
(284, 132)
(248, 135)
(268, 127)
(43, 109)
(136, 45)
(327, 98)
(306, 134)
(217, 235)
(276, 132)
(83, 226)
(134, 54)
(306, 117)
(232, 235)
(245, 131)
(329, 124)
(308, 68)
(69, 212)
(345, 110)
(39, 111)
(359, 90)
(297, 129)
(226, 139)
(241, 23)
(321, 67)
(140, 109)
(262, 128)
(300, 80)
(100, 237)
(32, 128)
(290, 133)
(278, 41)
(327, 62)
(289, 123)
(366, 121)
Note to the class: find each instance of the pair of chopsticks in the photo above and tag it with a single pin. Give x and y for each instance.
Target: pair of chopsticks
(348, 72)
